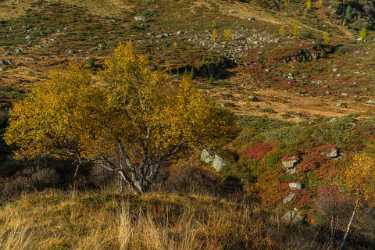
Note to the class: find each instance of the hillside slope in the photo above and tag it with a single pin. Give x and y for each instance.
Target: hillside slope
(299, 80)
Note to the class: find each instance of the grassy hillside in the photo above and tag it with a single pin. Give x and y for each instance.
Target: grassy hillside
(299, 80)
(53, 220)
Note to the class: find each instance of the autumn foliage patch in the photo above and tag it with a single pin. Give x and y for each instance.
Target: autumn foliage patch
(258, 151)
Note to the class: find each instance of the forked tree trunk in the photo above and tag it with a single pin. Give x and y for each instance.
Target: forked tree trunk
(133, 184)
(138, 176)
(349, 224)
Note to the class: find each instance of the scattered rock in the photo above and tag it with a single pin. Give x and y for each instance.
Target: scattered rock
(290, 162)
(100, 46)
(251, 19)
(5, 62)
(206, 157)
(290, 76)
(218, 163)
(289, 198)
(294, 216)
(140, 18)
(371, 102)
(18, 51)
(332, 153)
(295, 186)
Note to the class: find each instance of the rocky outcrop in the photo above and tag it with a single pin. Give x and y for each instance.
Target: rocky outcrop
(290, 164)
(310, 54)
(295, 186)
(216, 161)
(332, 152)
(206, 157)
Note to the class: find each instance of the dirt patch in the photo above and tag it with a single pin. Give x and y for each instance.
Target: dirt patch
(102, 8)
(284, 105)
(10, 9)
(244, 11)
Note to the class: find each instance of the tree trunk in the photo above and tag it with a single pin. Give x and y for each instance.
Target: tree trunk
(138, 181)
(349, 225)
(132, 182)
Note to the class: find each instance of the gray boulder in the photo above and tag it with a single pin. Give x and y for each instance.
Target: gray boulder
(218, 163)
(207, 157)
(140, 18)
(295, 186)
(290, 162)
(332, 153)
(18, 51)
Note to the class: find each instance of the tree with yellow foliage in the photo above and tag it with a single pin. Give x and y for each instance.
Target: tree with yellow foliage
(359, 179)
(126, 118)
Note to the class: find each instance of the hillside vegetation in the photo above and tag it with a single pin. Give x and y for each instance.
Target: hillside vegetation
(264, 109)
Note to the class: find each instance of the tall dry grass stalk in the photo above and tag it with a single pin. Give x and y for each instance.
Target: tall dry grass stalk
(146, 233)
(14, 234)
(153, 222)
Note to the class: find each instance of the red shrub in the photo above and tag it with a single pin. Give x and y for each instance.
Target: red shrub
(258, 151)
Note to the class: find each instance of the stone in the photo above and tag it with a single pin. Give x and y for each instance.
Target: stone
(218, 163)
(140, 18)
(295, 186)
(5, 62)
(18, 51)
(206, 157)
(251, 19)
(371, 102)
(290, 162)
(289, 198)
(101, 46)
(294, 216)
(332, 153)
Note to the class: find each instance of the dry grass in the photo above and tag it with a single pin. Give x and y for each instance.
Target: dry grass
(13, 8)
(102, 8)
(88, 221)
(10, 9)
